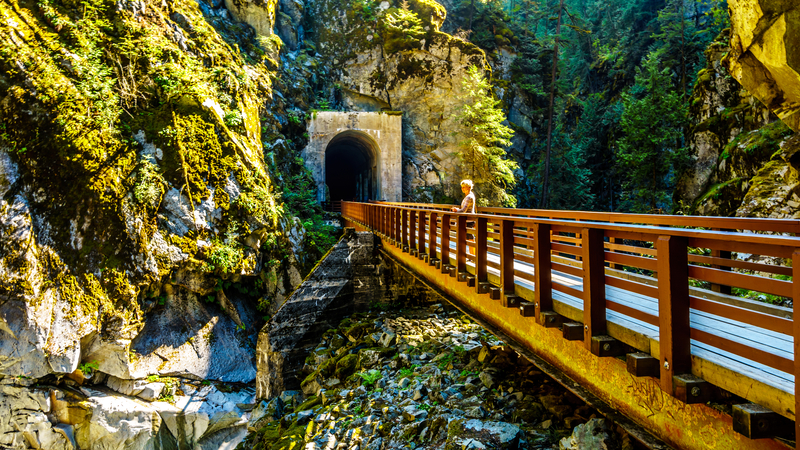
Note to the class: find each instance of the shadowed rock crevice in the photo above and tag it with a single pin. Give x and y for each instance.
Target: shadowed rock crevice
(351, 278)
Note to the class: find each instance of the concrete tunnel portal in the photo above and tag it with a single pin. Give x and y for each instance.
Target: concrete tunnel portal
(355, 156)
(351, 167)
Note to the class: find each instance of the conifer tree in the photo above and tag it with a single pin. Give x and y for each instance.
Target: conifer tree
(648, 151)
(483, 152)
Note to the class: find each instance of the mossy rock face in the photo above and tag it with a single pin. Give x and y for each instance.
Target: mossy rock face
(775, 190)
(722, 199)
(746, 153)
(113, 121)
(346, 366)
(724, 141)
(763, 57)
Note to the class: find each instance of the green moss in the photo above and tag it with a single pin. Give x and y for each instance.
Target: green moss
(92, 77)
(346, 366)
(309, 403)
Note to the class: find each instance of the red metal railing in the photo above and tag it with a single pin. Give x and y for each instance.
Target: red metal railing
(662, 267)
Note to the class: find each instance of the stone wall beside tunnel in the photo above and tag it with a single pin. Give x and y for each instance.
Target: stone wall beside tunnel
(355, 155)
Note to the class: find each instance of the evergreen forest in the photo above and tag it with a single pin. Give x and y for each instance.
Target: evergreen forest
(607, 86)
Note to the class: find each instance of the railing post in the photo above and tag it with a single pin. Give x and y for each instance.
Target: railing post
(481, 236)
(507, 256)
(433, 223)
(543, 283)
(421, 232)
(594, 285)
(673, 309)
(796, 329)
(412, 230)
(461, 244)
(445, 240)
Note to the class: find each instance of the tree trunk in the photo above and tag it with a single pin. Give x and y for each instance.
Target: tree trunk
(683, 47)
(546, 181)
(471, 12)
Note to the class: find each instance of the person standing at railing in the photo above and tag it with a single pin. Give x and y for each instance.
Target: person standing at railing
(467, 206)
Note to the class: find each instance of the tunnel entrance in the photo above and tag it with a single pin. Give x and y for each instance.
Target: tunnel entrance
(351, 167)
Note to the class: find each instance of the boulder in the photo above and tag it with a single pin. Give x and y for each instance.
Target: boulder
(499, 435)
(593, 435)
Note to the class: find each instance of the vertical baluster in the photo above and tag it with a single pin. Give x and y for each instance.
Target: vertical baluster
(399, 225)
(412, 231)
(481, 236)
(421, 232)
(404, 229)
(673, 309)
(433, 224)
(445, 240)
(543, 283)
(796, 326)
(393, 214)
(507, 256)
(461, 244)
(594, 286)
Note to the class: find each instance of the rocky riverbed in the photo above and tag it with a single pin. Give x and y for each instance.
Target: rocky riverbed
(424, 378)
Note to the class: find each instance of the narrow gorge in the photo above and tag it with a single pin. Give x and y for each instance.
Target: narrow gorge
(174, 273)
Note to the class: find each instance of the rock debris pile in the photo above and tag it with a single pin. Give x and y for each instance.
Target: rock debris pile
(425, 378)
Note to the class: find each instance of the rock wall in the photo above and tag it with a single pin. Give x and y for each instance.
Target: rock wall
(763, 56)
(743, 151)
(142, 243)
(722, 110)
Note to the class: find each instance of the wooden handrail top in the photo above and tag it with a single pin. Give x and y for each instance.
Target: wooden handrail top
(738, 223)
(645, 232)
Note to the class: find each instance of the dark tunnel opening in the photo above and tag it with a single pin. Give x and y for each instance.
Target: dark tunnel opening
(350, 168)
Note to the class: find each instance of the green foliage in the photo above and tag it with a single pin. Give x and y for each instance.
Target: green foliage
(366, 9)
(483, 152)
(294, 118)
(89, 368)
(371, 377)
(149, 185)
(650, 151)
(405, 372)
(225, 256)
(234, 119)
(403, 28)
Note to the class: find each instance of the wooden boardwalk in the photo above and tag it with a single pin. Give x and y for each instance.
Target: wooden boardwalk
(661, 285)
